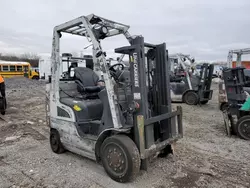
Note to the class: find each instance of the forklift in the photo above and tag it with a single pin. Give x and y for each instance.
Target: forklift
(126, 121)
(237, 114)
(194, 88)
(222, 98)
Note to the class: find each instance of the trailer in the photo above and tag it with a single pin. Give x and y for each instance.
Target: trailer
(44, 67)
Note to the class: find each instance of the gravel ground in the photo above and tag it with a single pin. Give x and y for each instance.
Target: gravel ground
(205, 157)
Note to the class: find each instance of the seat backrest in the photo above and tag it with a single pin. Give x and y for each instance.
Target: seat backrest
(86, 76)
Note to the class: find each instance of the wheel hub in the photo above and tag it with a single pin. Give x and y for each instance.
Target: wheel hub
(191, 98)
(246, 129)
(116, 159)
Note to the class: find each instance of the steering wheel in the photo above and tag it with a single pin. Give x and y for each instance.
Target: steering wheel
(116, 72)
(115, 65)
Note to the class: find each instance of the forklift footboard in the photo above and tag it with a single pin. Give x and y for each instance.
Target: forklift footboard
(176, 116)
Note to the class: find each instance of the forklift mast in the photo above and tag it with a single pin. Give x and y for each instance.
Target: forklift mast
(235, 80)
(206, 75)
(149, 73)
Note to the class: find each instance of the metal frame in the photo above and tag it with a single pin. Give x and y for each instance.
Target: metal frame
(239, 53)
(184, 65)
(81, 27)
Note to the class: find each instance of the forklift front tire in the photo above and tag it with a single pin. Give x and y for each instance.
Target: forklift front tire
(243, 127)
(120, 158)
(191, 98)
(55, 142)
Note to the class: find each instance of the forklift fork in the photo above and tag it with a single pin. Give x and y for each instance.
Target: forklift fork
(227, 122)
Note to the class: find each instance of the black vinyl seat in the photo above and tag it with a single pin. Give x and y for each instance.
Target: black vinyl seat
(86, 80)
(87, 98)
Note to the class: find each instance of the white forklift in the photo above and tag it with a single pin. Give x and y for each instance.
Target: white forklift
(119, 117)
(194, 87)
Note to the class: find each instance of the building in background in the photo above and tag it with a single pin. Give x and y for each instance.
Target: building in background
(245, 64)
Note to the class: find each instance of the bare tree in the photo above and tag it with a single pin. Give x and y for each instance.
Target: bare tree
(32, 58)
(74, 54)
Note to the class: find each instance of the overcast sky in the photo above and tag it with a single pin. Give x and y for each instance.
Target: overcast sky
(206, 29)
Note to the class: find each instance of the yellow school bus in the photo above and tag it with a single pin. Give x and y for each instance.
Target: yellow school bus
(10, 69)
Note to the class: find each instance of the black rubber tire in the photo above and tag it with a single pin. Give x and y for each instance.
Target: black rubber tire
(55, 142)
(128, 158)
(191, 98)
(35, 78)
(4, 107)
(245, 120)
(204, 102)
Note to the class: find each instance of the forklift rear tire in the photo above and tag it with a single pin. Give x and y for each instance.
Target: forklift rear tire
(243, 127)
(35, 78)
(120, 158)
(191, 98)
(55, 142)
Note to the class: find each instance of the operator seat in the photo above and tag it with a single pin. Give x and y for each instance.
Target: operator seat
(87, 80)
(89, 106)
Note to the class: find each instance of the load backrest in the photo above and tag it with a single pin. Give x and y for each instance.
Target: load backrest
(235, 80)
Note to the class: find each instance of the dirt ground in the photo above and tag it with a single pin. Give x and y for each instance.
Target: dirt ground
(205, 157)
